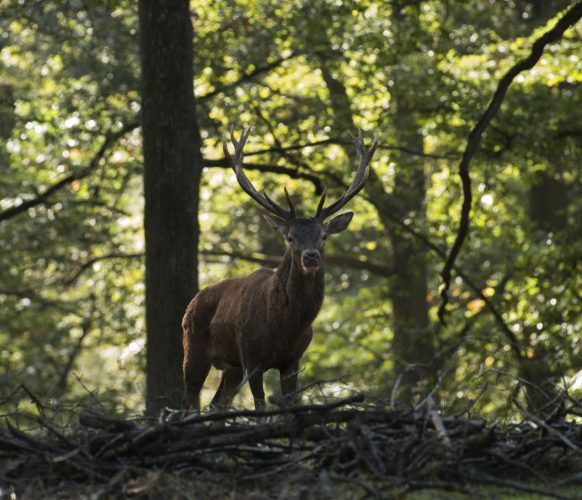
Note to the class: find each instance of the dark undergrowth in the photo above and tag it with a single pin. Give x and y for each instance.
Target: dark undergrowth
(345, 448)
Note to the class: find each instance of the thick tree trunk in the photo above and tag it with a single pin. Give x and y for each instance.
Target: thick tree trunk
(173, 165)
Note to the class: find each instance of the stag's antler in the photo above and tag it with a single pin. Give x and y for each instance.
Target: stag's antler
(364, 157)
(236, 162)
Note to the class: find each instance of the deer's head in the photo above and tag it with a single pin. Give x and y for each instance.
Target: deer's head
(305, 235)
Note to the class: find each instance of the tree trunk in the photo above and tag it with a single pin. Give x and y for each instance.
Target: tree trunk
(548, 203)
(412, 342)
(7, 121)
(173, 165)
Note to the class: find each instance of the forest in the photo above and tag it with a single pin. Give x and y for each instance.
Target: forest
(455, 293)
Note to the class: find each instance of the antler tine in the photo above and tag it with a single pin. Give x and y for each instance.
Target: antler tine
(276, 209)
(289, 202)
(240, 144)
(319, 212)
(364, 157)
(236, 163)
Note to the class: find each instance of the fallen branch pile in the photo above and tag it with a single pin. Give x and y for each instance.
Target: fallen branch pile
(372, 448)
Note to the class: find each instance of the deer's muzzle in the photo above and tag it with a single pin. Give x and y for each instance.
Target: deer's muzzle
(310, 260)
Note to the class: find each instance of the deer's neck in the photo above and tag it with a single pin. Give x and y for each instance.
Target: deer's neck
(302, 294)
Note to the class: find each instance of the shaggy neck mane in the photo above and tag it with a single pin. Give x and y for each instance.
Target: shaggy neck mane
(303, 295)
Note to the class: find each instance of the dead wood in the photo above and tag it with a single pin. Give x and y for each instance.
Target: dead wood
(372, 447)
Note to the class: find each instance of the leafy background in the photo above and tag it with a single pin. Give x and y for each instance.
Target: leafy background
(420, 73)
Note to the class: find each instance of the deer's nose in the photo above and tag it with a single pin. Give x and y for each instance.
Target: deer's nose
(311, 258)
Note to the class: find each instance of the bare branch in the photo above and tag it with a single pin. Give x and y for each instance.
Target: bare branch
(110, 256)
(544, 425)
(570, 18)
(293, 159)
(335, 260)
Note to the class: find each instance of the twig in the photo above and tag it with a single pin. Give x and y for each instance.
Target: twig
(227, 415)
(540, 423)
(438, 422)
(373, 447)
(294, 173)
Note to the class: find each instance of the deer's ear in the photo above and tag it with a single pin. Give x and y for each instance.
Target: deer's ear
(339, 223)
(276, 223)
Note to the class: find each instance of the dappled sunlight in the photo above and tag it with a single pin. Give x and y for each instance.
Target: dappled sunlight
(462, 311)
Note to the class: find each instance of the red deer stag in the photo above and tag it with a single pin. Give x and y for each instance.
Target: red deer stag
(263, 320)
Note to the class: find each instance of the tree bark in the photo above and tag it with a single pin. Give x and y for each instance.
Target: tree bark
(173, 165)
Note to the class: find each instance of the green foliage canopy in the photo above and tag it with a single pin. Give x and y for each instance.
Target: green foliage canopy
(71, 274)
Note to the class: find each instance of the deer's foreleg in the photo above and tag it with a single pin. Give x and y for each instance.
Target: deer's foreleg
(289, 377)
(256, 383)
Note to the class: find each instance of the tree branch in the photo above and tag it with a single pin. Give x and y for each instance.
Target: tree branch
(512, 339)
(291, 172)
(335, 260)
(245, 78)
(110, 140)
(86, 265)
(256, 257)
(299, 164)
(570, 18)
(344, 143)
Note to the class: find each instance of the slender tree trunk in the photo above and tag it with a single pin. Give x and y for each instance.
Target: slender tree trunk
(173, 165)
(412, 342)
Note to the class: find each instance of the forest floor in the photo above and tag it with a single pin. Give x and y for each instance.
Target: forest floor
(341, 449)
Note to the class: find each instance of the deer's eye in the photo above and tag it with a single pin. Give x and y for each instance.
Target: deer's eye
(289, 239)
(324, 237)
